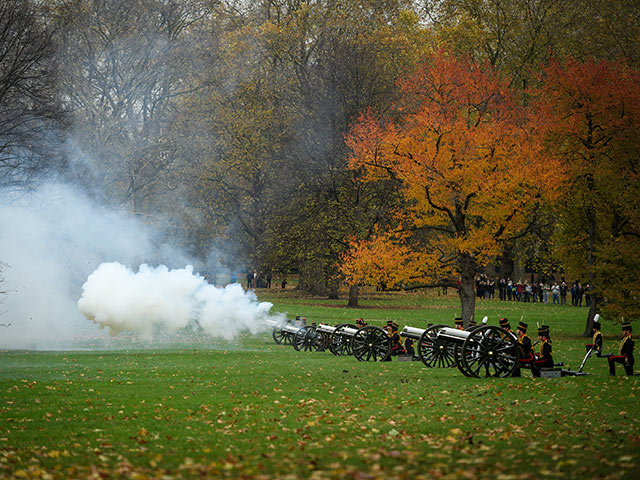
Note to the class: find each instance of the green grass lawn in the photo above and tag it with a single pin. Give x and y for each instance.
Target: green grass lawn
(254, 409)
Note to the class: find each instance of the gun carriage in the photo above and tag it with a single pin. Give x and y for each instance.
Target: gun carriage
(432, 351)
(278, 332)
(485, 351)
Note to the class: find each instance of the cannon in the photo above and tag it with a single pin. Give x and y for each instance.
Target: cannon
(366, 343)
(335, 338)
(485, 351)
(279, 334)
(370, 343)
(432, 351)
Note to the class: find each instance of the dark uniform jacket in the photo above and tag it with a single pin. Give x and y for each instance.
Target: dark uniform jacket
(524, 342)
(546, 354)
(597, 342)
(626, 349)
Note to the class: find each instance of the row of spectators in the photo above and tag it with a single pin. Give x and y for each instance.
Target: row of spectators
(541, 291)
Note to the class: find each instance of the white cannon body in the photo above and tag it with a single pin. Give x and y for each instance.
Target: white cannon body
(453, 334)
(413, 333)
(326, 329)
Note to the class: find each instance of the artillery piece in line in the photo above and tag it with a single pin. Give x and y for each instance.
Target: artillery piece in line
(369, 343)
(485, 351)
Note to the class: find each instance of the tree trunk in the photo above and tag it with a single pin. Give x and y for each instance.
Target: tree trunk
(466, 290)
(591, 263)
(588, 330)
(353, 296)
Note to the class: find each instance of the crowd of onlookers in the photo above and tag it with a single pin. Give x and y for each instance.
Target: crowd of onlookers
(535, 291)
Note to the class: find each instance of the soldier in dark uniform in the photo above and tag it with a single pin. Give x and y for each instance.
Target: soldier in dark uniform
(396, 346)
(459, 323)
(409, 348)
(596, 342)
(524, 344)
(504, 324)
(545, 358)
(626, 352)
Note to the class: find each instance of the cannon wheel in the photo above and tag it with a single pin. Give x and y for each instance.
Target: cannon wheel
(435, 352)
(371, 343)
(490, 351)
(280, 336)
(298, 338)
(316, 340)
(307, 339)
(340, 344)
(457, 353)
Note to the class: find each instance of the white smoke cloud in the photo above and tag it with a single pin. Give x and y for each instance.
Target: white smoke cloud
(163, 300)
(52, 241)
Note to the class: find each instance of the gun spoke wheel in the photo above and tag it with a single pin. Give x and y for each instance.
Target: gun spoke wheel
(371, 344)
(340, 343)
(489, 351)
(281, 337)
(434, 352)
(298, 339)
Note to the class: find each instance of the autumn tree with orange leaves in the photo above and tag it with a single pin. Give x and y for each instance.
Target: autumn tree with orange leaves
(590, 117)
(465, 153)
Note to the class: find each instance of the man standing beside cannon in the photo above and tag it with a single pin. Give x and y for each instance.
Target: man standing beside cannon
(626, 352)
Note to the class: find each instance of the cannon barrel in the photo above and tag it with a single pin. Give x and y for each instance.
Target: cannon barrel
(349, 331)
(412, 332)
(453, 334)
(324, 328)
(292, 329)
(272, 323)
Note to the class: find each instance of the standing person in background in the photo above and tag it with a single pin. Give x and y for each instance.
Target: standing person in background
(502, 289)
(233, 278)
(269, 277)
(546, 290)
(555, 293)
(563, 292)
(579, 294)
(249, 280)
(509, 289)
(587, 294)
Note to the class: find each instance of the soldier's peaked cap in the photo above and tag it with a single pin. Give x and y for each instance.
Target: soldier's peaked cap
(504, 321)
(626, 326)
(522, 326)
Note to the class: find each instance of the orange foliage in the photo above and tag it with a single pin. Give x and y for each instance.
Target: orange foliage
(464, 150)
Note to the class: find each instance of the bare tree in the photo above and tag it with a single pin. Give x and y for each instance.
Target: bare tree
(124, 64)
(29, 114)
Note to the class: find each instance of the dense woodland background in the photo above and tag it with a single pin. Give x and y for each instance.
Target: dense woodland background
(231, 126)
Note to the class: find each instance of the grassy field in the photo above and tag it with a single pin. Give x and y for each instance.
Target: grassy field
(254, 409)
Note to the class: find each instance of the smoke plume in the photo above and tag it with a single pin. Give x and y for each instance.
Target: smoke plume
(163, 300)
(57, 239)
